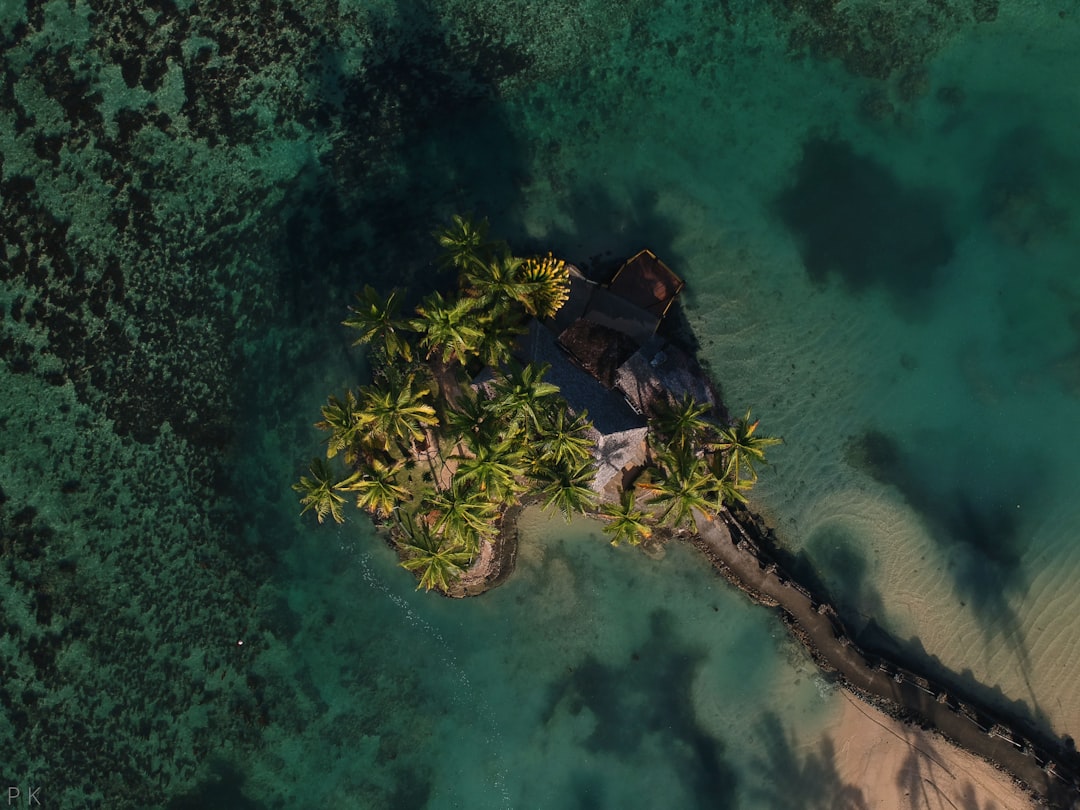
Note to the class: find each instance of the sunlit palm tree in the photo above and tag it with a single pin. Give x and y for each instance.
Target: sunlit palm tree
(566, 487)
(464, 512)
(496, 283)
(438, 559)
(471, 420)
(397, 412)
(498, 336)
(524, 399)
(742, 449)
(345, 422)
(625, 521)
(464, 242)
(546, 285)
(492, 470)
(319, 492)
(447, 328)
(376, 487)
(682, 424)
(683, 484)
(566, 441)
(377, 320)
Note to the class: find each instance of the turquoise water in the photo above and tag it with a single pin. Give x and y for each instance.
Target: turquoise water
(874, 207)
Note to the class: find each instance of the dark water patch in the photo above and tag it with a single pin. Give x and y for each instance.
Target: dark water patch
(222, 790)
(1028, 189)
(876, 40)
(650, 697)
(978, 531)
(836, 557)
(810, 781)
(853, 217)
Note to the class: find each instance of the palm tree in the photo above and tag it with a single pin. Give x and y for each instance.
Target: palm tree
(493, 470)
(567, 442)
(684, 484)
(626, 521)
(376, 319)
(464, 512)
(464, 242)
(345, 422)
(397, 412)
(741, 449)
(471, 420)
(523, 399)
(546, 283)
(447, 327)
(682, 423)
(376, 487)
(567, 487)
(439, 559)
(499, 332)
(496, 283)
(319, 492)
(726, 490)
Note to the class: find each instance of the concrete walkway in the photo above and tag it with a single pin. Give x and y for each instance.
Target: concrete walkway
(739, 555)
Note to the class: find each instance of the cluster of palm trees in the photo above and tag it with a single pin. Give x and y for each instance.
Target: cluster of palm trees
(493, 443)
(698, 467)
(487, 445)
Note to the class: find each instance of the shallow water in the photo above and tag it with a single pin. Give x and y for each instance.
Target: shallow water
(875, 211)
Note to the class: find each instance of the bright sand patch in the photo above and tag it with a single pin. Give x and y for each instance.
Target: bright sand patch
(899, 766)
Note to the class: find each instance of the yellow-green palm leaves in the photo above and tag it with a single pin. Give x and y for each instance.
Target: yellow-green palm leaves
(438, 558)
(397, 411)
(319, 493)
(545, 283)
(742, 449)
(376, 487)
(625, 522)
(376, 320)
(344, 420)
(448, 328)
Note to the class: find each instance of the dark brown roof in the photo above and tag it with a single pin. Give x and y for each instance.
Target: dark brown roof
(597, 349)
(648, 283)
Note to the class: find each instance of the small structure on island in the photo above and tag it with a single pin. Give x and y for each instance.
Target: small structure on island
(607, 359)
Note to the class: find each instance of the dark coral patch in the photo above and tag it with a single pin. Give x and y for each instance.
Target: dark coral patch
(851, 216)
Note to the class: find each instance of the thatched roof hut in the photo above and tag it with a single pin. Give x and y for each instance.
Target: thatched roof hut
(661, 370)
(648, 283)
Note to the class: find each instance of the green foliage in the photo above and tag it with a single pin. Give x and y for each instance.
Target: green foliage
(464, 514)
(492, 470)
(464, 242)
(681, 425)
(741, 449)
(376, 487)
(345, 423)
(683, 483)
(318, 493)
(523, 400)
(439, 559)
(448, 329)
(566, 487)
(396, 411)
(625, 522)
(377, 321)
(566, 440)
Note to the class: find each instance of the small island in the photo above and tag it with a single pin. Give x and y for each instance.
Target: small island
(532, 384)
(529, 384)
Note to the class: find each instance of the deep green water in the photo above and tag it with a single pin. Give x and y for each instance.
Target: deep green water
(875, 208)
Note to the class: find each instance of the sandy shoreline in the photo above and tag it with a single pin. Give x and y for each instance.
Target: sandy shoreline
(897, 766)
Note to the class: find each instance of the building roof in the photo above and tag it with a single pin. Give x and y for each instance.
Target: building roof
(581, 290)
(621, 315)
(616, 453)
(608, 410)
(661, 370)
(597, 349)
(648, 283)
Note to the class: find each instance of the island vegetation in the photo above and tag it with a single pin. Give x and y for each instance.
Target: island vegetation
(458, 425)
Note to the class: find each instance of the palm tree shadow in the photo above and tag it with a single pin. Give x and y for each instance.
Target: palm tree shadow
(811, 782)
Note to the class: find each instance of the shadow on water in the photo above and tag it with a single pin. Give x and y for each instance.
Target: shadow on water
(851, 216)
(811, 782)
(833, 558)
(417, 133)
(982, 540)
(223, 790)
(648, 701)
